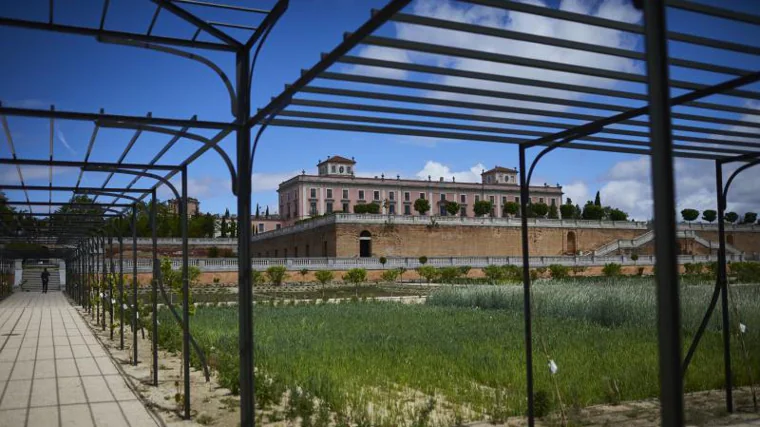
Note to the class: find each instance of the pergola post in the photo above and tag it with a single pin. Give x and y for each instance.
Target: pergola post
(154, 284)
(134, 286)
(185, 295)
(663, 191)
(723, 281)
(245, 291)
(121, 286)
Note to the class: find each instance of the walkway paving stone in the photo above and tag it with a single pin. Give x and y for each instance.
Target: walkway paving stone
(53, 371)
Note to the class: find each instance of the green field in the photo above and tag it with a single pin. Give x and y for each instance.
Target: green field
(383, 362)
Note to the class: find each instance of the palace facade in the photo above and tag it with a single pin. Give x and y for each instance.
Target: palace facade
(336, 188)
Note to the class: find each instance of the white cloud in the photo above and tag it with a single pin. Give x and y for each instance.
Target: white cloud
(62, 138)
(627, 186)
(519, 22)
(9, 175)
(437, 170)
(577, 191)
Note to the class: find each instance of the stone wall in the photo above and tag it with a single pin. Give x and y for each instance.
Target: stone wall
(403, 240)
(315, 242)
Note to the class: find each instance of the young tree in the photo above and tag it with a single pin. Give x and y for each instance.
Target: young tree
(709, 215)
(540, 209)
(598, 200)
(452, 208)
(511, 208)
(567, 211)
(422, 206)
(750, 218)
(689, 215)
(266, 214)
(323, 277)
(731, 217)
(578, 212)
(258, 212)
(482, 207)
(356, 276)
(428, 272)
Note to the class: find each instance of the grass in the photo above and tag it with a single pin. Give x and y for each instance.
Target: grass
(384, 361)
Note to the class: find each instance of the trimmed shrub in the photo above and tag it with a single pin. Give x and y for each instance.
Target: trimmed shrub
(213, 252)
(493, 273)
(612, 269)
(559, 271)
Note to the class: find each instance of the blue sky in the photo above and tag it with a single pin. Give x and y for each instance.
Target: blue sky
(79, 73)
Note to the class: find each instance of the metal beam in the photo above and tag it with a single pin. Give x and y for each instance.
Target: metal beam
(348, 43)
(91, 166)
(197, 22)
(73, 115)
(94, 32)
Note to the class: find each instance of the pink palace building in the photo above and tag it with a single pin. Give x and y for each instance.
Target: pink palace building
(336, 188)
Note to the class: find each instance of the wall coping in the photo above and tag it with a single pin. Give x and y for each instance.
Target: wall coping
(344, 218)
(296, 264)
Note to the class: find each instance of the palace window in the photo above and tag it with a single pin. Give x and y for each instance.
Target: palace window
(341, 169)
(329, 193)
(361, 194)
(392, 209)
(406, 196)
(345, 194)
(422, 196)
(261, 227)
(407, 210)
(540, 200)
(463, 198)
(313, 210)
(463, 212)
(345, 207)
(329, 207)
(477, 199)
(313, 193)
(391, 195)
(443, 196)
(376, 195)
(332, 169)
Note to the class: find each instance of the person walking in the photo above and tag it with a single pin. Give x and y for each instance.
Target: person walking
(45, 278)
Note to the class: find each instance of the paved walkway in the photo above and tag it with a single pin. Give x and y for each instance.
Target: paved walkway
(53, 371)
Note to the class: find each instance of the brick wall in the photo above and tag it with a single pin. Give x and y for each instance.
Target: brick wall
(416, 240)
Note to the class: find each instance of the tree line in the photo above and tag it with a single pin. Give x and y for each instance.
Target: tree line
(710, 215)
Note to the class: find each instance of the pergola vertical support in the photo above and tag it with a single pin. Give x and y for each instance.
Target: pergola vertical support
(723, 280)
(134, 286)
(103, 275)
(524, 194)
(154, 284)
(111, 278)
(185, 295)
(245, 292)
(663, 191)
(121, 288)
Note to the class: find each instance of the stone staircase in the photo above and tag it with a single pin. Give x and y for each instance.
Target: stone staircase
(647, 237)
(31, 279)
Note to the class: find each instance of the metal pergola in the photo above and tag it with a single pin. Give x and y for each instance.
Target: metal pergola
(444, 95)
(83, 238)
(705, 112)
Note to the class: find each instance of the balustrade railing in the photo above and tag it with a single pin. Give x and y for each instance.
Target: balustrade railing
(295, 264)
